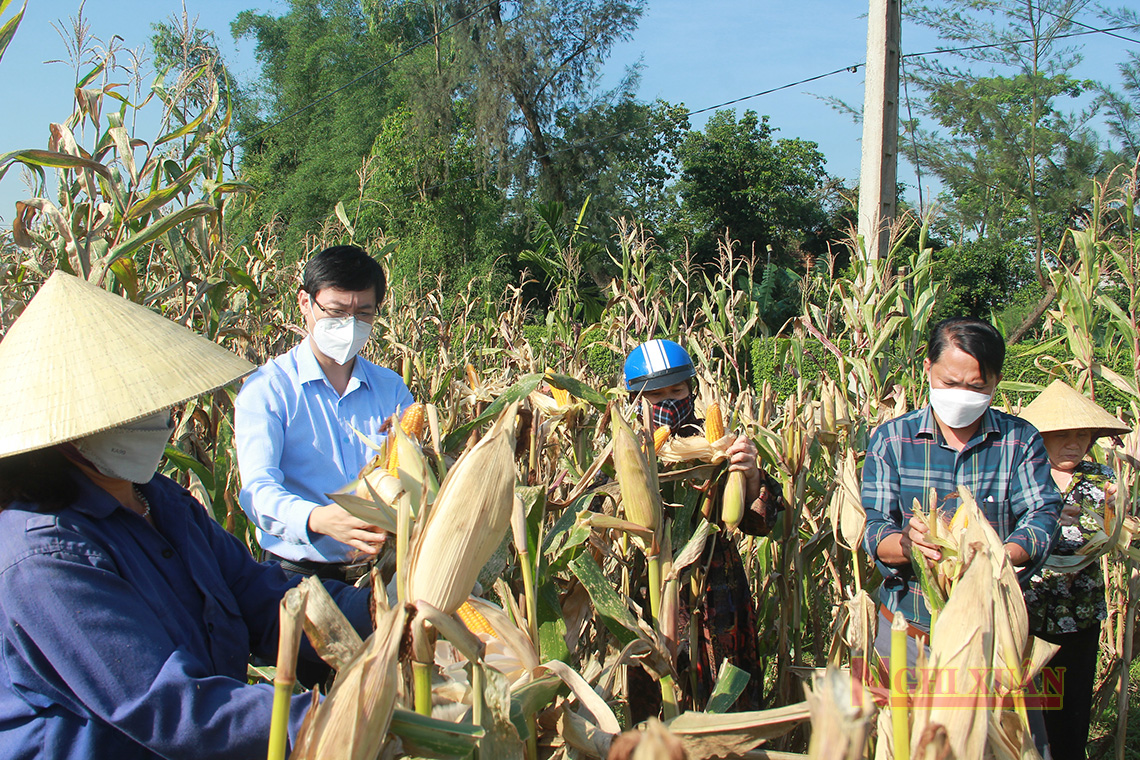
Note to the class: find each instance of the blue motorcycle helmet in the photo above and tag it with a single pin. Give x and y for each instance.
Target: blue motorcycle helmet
(656, 364)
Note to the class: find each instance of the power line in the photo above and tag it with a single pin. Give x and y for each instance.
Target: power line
(1074, 22)
(853, 68)
(1008, 43)
(362, 77)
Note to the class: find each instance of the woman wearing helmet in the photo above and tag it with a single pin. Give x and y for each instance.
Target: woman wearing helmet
(661, 372)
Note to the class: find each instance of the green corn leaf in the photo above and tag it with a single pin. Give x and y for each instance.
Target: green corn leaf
(614, 613)
(730, 684)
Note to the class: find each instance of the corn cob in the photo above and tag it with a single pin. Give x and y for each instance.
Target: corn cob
(640, 500)
(412, 421)
(468, 520)
(732, 501)
(714, 424)
(474, 619)
(472, 376)
(561, 395)
(660, 435)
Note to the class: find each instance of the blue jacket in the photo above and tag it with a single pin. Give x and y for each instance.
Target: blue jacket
(121, 641)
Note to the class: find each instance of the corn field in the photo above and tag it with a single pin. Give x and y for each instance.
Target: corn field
(529, 443)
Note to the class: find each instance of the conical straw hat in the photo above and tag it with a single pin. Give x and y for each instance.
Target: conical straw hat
(80, 360)
(1061, 407)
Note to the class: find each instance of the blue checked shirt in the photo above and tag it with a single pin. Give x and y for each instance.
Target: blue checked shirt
(1004, 465)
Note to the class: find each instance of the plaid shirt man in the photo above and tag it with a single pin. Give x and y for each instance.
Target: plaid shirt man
(1004, 465)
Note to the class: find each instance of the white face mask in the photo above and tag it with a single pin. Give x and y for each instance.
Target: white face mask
(131, 451)
(341, 338)
(958, 407)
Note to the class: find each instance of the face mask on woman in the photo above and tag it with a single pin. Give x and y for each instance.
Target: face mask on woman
(131, 451)
(341, 338)
(673, 412)
(958, 407)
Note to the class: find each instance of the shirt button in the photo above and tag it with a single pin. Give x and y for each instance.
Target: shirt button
(167, 553)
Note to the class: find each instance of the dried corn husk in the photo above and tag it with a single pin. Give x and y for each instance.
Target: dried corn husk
(846, 506)
(352, 722)
(840, 716)
(960, 646)
(468, 520)
(640, 493)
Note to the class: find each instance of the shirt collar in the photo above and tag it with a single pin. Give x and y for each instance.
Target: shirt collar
(309, 369)
(91, 499)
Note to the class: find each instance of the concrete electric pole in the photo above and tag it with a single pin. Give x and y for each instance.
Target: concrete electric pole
(878, 173)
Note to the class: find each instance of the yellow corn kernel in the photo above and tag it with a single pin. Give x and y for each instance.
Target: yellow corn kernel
(472, 375)
(475, 621)
(714, 425)
(660, 435)
(413, 421)
(393, 456)
(561, 395)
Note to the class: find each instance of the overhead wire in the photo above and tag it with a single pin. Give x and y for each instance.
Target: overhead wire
(853, 68)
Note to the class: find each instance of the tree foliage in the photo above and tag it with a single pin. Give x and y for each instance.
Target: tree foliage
(765, 192)
(1015, 161)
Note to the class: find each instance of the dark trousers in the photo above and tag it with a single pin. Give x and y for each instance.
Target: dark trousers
(1068, 727)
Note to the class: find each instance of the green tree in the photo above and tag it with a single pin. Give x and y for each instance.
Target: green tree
(981, 277)
(1122, 107)
(765, 192)
(304, 158)
(1015, 162)
(524, 63)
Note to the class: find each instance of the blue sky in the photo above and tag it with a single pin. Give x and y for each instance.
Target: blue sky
(696, 53)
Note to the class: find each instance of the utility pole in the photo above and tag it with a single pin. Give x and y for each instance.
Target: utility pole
(878, 171)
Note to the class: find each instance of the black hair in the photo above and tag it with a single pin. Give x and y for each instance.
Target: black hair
(44, 477)
(344, 267)
(972, 336)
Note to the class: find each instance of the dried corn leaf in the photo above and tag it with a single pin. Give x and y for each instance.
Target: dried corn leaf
(712, 735)
(334, 638)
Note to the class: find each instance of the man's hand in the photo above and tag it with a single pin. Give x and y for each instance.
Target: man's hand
(331, 520)
(915, 535)
(742, 458)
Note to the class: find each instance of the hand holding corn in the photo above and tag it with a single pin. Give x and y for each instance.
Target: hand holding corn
(915, 535)
(742, 458)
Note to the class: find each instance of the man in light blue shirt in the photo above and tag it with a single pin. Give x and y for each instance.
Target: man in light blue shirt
(296, 420)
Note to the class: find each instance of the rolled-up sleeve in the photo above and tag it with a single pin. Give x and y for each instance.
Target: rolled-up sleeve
(1035, 503)
(880, 494)
(259, 435)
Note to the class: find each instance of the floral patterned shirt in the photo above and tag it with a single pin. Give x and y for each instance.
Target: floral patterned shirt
(1070, 602)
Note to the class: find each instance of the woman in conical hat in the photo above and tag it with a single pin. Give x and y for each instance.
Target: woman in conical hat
(127, 615)
(1066, 608)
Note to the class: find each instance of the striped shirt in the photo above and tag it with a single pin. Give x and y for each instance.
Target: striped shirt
(1004, 465)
